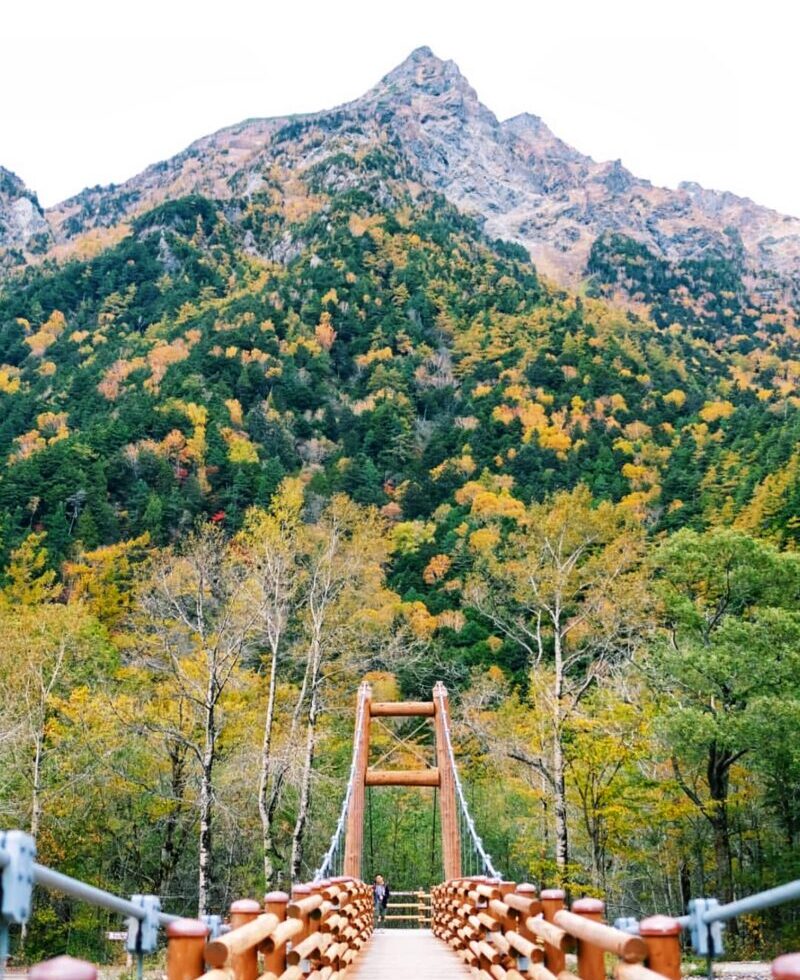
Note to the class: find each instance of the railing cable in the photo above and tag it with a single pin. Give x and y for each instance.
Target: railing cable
(477, 842)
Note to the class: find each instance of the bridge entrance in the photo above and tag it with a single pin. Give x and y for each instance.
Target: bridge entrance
(441, 777)
(500, 929)
(447, 843)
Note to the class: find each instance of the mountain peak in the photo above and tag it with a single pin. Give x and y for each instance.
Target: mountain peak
(422, 53)
(423, 56)
(424, 72)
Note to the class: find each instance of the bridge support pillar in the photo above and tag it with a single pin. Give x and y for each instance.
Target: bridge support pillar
(354, 838)
(448, 808)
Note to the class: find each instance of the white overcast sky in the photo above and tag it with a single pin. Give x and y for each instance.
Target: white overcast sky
(92, 92)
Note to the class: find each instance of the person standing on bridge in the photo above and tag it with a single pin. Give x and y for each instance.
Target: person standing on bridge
(380, 895)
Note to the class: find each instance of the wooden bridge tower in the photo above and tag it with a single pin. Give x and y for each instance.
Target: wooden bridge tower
(441, 776)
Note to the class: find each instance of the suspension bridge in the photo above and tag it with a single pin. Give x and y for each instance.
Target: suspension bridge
(475, 923)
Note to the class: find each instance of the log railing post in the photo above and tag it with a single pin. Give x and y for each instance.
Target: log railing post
(245, 965)
(63, 968)
(275, 960)
(591, 959)
(526, 890)
(552, 902)
(662, 934)
(451, 840)
(186, 941)
(786, 967)
(299, 892)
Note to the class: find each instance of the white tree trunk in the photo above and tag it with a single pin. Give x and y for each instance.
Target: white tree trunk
(206, 805)
(264, 808)
(298, 836)
(559, 767)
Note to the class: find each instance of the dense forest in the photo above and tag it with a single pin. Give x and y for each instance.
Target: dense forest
(256, 451)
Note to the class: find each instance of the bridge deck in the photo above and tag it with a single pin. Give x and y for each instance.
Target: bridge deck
(408, 953)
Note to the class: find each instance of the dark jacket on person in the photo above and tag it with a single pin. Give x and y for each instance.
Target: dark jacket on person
(383, 900)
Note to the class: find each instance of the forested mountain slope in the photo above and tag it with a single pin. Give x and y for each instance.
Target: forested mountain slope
(394, 353)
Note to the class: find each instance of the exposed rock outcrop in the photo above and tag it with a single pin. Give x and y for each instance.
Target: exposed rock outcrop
(516, 176)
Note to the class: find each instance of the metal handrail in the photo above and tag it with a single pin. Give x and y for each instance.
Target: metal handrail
(706, 917)
(55, 880)
(20, 873)
(753, 903)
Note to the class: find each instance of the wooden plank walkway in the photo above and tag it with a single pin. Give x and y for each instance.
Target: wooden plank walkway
(413, 953)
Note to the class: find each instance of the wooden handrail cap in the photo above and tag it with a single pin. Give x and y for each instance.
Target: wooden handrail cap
(64, 968)
(786, 967)
(245, 905)
(526, 888)
(275, 897)
(659, 925)
(553, 893)
(588, 906)
(301, 890)
(187, 928)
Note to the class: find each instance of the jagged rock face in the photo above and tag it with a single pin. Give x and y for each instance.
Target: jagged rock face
(524, 183)
(24, 230)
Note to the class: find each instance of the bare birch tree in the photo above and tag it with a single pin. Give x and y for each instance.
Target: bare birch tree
(194, 622)
(345, 602)
(273, 542)
(566, 586)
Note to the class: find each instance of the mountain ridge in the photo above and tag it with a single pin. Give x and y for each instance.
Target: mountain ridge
(516, 176)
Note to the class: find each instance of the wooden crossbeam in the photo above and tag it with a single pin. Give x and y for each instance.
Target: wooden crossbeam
(402, 777)
(402, 709)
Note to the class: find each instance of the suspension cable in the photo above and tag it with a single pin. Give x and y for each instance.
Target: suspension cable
(324, 869)
(477, 842)
(371, 841)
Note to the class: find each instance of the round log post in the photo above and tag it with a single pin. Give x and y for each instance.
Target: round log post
(507, 888)
(318, 888)
(786, 967)
(300, 892)
(591, 959)
(354, 836)
(662, 935)
(526, 890)
(63, 968)
(552, 902)
(186, 942)
(448, 806)
(275, 961)
(245, 965)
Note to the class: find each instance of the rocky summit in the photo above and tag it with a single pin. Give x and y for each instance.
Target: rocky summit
(523, 182)
(24, 229)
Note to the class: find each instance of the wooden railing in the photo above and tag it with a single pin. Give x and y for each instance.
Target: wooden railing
(409, 910)
(504, 931)
(316, 933)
